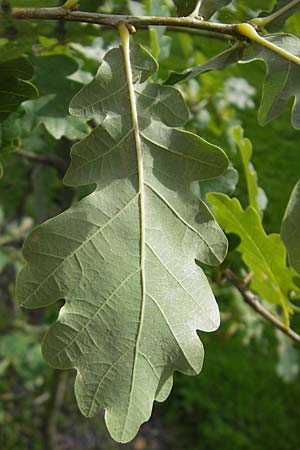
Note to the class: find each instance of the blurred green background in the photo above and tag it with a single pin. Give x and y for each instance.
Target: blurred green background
(247, 396)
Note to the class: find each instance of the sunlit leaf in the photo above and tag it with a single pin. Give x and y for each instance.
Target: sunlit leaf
(245, 148)
(264, 254)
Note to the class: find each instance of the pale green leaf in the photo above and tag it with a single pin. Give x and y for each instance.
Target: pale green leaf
(123, 258)
(245, 148)
(264, 254)
(290, 231)
(282, 80)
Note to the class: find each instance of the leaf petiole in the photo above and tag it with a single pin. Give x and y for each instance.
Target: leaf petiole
(247, 30)
(263, 21)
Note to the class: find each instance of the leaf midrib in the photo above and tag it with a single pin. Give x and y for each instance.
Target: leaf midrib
(141, 189)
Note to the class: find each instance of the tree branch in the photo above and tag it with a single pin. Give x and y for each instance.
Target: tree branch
(242, 31)
(47, 160)
(253, 301)
(114, 20)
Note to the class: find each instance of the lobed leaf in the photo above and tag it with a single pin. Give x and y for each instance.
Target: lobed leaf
(282, 80)
(290, 230)
(123, 258)
(264, 254)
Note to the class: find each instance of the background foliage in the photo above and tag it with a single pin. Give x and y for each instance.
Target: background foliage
(247, 394)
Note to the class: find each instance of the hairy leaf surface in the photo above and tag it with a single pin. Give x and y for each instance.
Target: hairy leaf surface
(290, 231)
(282, 80)
(123, 258)
(264, 254)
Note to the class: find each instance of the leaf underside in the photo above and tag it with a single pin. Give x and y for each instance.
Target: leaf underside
(123, 258)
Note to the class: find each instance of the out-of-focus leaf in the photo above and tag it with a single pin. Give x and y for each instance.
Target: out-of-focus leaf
(51, 109)
(14, 85)
(10, 131)
(245, 147)
(209, 7)
(218, 62)
(20, 350)
(264, 254)
(290, 230)
(124, 257)
(278, 23)
(288, 358)
(185, 7)
(243, 10)
(282, 80)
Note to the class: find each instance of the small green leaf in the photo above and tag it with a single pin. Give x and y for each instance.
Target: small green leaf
(290, 231)
(264, 254)
(123, 258)
(245, 147)
(282, 80)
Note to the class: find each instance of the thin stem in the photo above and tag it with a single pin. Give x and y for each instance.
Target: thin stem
(263, 21)
(47, 160)
(248, 31)
(115, 20)
(58, 387)
(201, 33)
(252, 300)
(239, 31)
